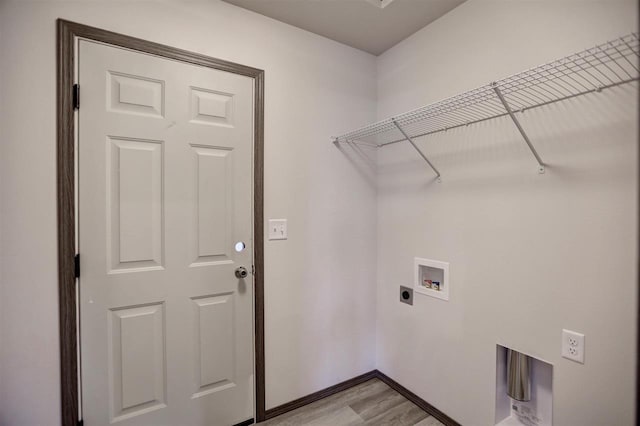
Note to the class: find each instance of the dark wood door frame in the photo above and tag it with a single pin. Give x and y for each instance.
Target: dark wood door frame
(68, 32)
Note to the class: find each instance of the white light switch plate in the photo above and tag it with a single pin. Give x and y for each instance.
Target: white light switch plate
(277, 229)
(573, 346)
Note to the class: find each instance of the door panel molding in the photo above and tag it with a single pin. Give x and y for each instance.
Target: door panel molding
(67, 33)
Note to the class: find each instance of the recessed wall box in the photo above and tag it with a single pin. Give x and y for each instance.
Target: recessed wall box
(432, 278)
(531, 402)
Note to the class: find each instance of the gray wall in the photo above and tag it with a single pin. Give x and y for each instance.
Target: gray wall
(530, 254)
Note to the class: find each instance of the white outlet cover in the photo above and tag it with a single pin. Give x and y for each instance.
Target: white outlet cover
(277, 229)
(573, 346)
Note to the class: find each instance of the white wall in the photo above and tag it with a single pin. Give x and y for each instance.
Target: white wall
(320, 307)
(530, 254)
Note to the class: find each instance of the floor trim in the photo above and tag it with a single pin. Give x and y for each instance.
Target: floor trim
(374, 374)
(245, 423)
(439, 415)
(305, 400)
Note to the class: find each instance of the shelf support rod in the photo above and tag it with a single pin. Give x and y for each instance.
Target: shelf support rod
(416, 148)
(517, 123)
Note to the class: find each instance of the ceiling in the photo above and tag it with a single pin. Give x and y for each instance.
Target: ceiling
(370, 25)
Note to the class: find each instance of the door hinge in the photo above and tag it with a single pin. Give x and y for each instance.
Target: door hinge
(80, 422)
(76, 266)
(253, 270)
(76, 96)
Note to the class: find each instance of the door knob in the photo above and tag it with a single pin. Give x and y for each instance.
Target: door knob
(241, 272)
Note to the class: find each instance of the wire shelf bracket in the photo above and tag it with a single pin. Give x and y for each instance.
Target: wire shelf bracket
(593, 70)
(519, 126)
(424, 157)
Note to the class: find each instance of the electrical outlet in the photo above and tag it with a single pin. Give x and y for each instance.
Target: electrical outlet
(573, 346)
(406, 295)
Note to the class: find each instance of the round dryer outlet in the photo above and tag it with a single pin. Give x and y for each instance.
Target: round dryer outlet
(406, 295)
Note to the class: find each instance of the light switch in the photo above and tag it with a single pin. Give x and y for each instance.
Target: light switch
(277, 229)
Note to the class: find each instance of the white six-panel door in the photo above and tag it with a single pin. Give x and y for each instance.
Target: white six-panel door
(165, 193)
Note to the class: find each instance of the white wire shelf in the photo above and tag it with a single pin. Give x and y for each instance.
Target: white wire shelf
(604, 66)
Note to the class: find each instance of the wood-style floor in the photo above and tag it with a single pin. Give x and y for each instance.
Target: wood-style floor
(370, 403)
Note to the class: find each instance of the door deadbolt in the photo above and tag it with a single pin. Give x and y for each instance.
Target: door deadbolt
(241, 272)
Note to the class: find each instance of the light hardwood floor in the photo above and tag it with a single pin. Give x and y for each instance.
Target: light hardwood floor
(370, 403)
